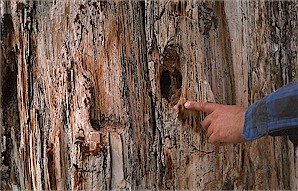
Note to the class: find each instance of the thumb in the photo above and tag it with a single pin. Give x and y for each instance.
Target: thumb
(201, 106)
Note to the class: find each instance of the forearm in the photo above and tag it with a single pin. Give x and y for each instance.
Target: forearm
(276, 114)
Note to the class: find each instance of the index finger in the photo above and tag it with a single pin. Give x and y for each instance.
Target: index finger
(201, 106)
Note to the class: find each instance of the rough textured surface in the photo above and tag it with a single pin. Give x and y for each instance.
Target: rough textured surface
(92, 93)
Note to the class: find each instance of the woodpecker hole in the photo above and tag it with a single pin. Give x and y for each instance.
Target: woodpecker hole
(165, 84)
(171, 77)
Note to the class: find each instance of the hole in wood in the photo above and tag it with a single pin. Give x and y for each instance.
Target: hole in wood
(165, 85)
(170, 85)
(171, 77)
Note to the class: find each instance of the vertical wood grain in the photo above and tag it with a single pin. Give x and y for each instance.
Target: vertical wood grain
(92, 93)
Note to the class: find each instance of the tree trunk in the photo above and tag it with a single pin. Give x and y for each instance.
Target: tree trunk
(92, 92)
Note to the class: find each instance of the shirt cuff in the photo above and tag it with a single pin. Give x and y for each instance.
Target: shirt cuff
(252, 128)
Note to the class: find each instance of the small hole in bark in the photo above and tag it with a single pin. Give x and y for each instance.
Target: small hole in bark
(95, 124)
(7, 25)
(171, 77)
(170, 85)
(165, 84)
(9, 88)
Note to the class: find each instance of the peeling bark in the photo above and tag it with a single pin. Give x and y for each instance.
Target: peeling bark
(92, 93)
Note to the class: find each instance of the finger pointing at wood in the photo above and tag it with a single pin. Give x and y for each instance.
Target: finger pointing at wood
(224, 123)
(201, 106)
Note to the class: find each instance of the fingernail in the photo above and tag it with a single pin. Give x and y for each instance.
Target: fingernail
(186, 105)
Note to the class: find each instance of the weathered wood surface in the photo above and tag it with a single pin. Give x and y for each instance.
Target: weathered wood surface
(92, 92)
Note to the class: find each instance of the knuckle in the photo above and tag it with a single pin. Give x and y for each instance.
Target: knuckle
(209, 133)
(204, 126)
(215, 115)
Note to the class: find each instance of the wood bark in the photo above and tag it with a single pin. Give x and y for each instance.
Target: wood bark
(92, 93)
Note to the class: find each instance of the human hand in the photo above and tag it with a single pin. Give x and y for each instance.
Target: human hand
(223, 124)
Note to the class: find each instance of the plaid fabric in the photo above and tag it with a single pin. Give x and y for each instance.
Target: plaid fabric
(275, 114)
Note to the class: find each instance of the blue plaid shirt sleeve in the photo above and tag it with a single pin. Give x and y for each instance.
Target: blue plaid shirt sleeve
(275, 114)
